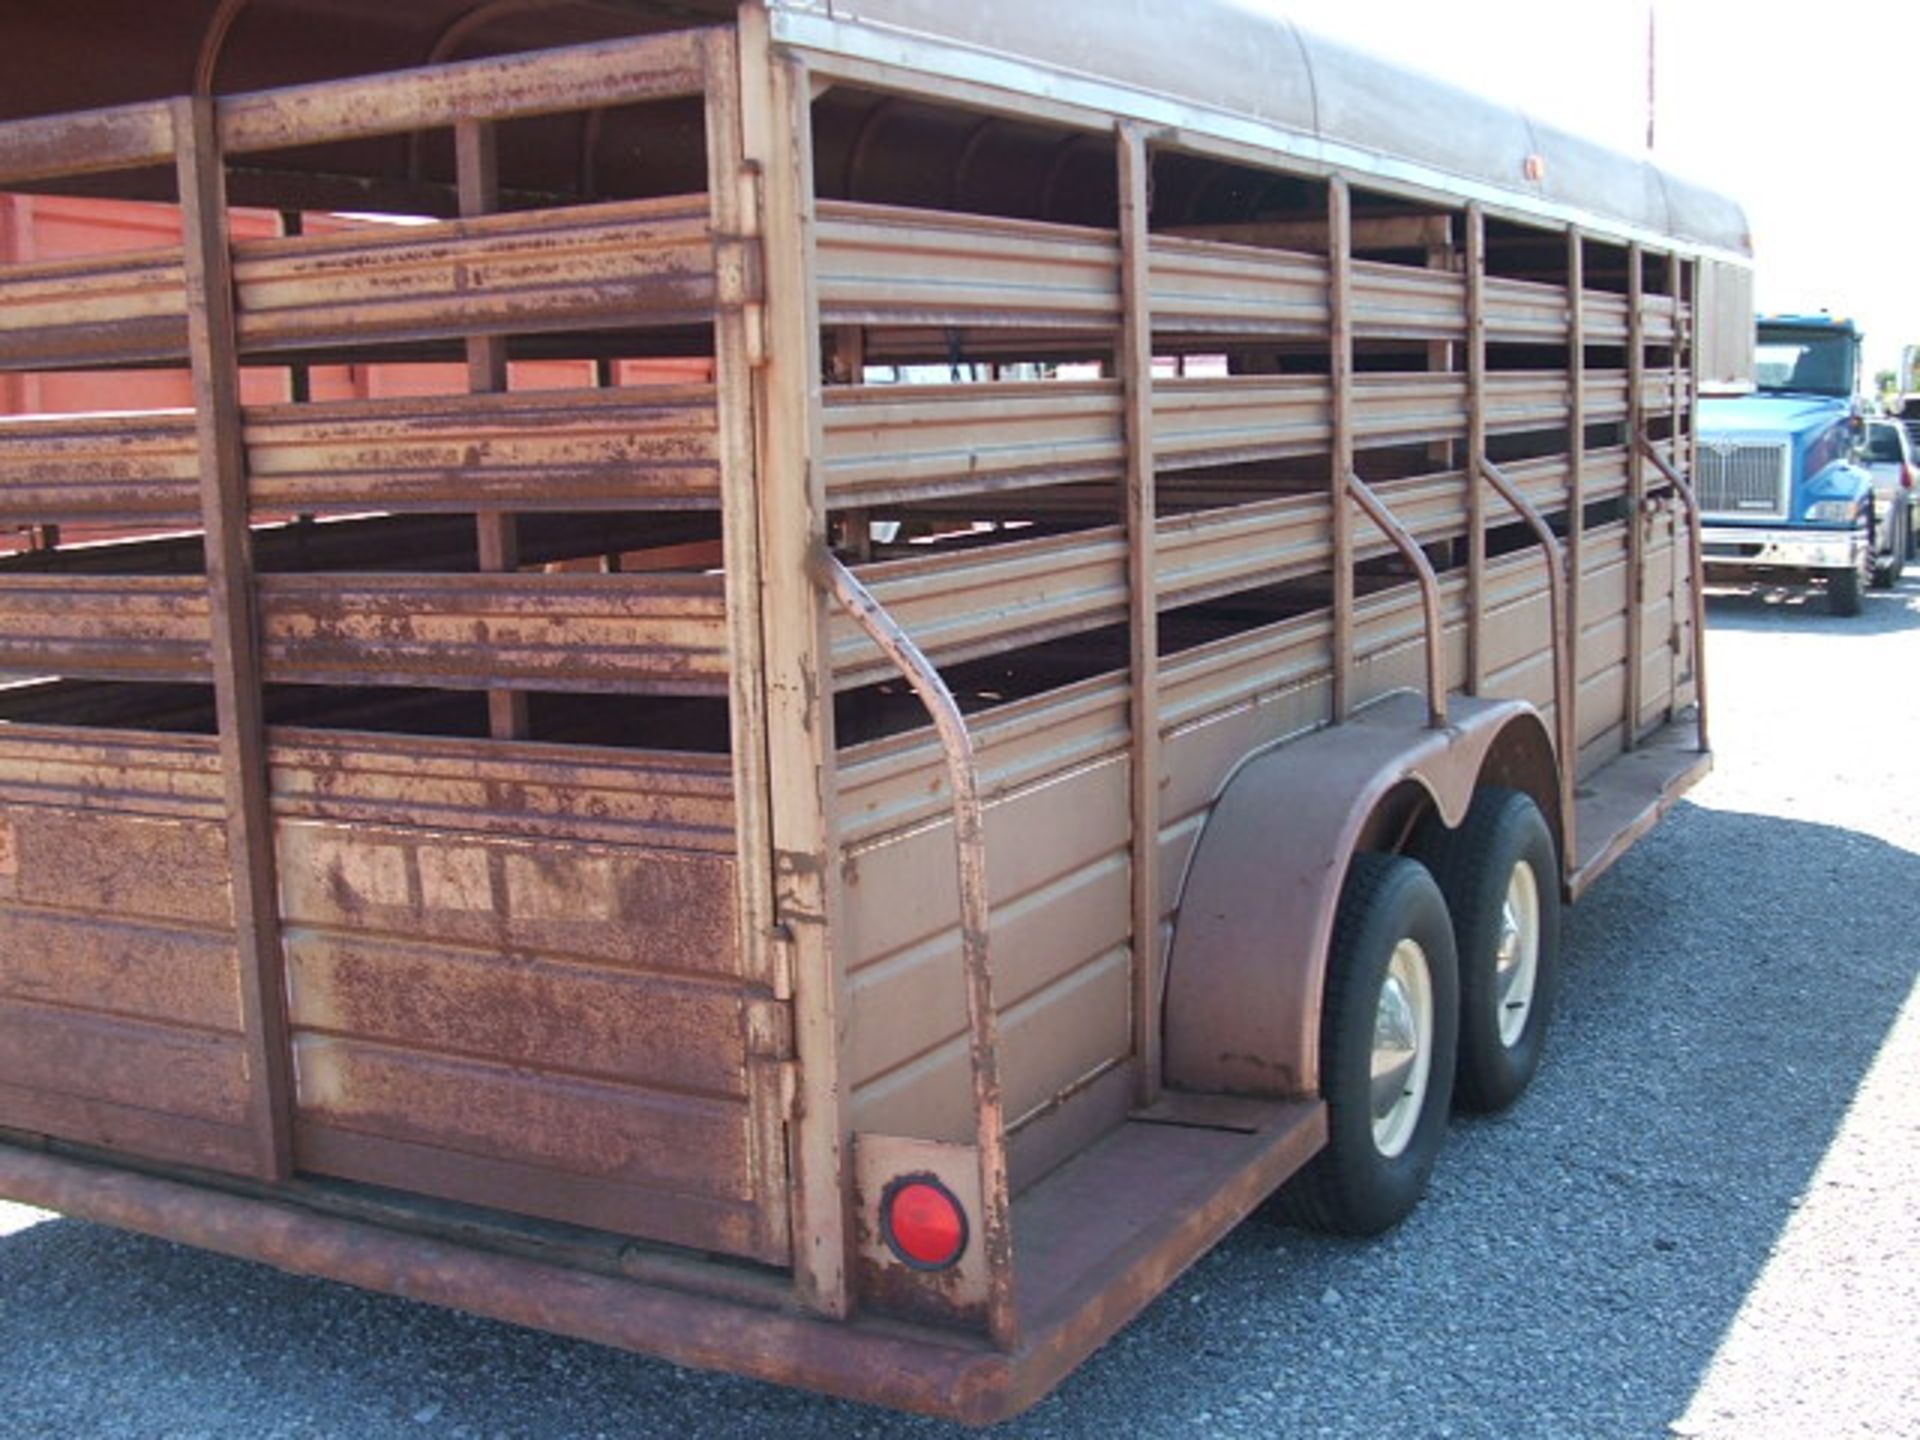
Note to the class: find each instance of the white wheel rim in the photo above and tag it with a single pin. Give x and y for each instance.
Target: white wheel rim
(1516, 960)
(1402, 1048)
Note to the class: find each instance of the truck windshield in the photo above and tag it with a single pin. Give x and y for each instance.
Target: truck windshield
(1817, 362)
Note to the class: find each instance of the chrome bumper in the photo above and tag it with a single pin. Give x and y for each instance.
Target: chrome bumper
(1726, 545)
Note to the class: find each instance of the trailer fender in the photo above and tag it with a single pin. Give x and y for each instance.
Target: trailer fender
(1248, 959)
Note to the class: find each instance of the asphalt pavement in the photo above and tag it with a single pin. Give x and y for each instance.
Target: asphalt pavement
(1699, 1222)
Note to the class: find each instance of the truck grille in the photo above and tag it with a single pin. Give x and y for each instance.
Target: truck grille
(1746, 479)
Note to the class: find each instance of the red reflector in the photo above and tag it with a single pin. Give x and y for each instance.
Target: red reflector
(922, 1223)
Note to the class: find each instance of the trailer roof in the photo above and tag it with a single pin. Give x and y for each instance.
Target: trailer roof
(1216, 69)
(1223, 69)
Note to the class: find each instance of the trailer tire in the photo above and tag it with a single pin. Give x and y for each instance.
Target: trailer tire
(1392, 988)
(1500, 874)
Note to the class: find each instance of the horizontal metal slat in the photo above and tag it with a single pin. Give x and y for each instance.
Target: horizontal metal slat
(119, 772)
(986, 601)
(879, 265)
(1524, 310)
(547, 449)
(519, 788)
(128, 468)
(598, 266)
(1400, 302)
(137, 628)
(1239, 418)
(495, 88)
(1209, 287)
(609, 633)
(124, 309)
(886, 443)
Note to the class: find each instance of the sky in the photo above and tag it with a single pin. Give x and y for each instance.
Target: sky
(1805, 114)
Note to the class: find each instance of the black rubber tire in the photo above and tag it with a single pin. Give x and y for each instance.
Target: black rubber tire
(1472, 865)
(1887, 575)
(1350, 1188)
(1843, 593)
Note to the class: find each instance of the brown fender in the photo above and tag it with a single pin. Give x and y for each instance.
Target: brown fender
(1249, 954)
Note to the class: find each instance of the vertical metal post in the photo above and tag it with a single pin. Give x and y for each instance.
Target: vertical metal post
(1340, 340)
(734, 208)
(214, 357)
(1677, 523)
(1136, 380)
(1476, 444)
(477, 173)
(1576, 477)
(1637, 519)
(776, 130)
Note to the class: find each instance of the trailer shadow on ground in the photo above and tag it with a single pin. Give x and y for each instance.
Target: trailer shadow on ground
(1572, 1272)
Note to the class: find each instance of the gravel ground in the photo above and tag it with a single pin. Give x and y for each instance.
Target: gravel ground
(1699, 1222)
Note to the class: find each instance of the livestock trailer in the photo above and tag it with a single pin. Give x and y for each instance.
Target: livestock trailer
(1101, 574)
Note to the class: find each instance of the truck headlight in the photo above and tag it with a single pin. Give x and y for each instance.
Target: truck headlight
(1831, 512)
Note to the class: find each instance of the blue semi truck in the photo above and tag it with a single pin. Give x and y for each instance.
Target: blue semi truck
(1784, 494)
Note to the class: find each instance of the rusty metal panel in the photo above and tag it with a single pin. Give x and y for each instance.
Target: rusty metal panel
(532, 1013)
(887, 443)
(550, 929)
(116, 309)
(1207, 287)
(130, 1063)
(133, 628)
(680, 802)
(120, 1012)
(548, 450)
(650, 911)
(878, 265)
(648, 634)
(183, 975)
(128, 468)
(1400, 302)
(631, 262)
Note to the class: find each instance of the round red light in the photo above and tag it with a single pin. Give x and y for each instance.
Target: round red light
(923, 1223)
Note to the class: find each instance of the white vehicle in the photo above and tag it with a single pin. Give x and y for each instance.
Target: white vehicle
(1896, 500)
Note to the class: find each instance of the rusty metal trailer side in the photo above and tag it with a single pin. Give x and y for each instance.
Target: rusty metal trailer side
(574, 854)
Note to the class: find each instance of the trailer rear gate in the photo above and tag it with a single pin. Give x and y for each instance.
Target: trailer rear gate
(511, 968)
